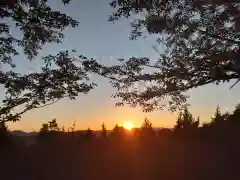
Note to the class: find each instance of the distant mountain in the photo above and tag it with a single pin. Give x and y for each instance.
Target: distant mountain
(96, 132)
(22, 133)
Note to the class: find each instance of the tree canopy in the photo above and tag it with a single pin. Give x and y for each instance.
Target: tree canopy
(201, 46)
(38, 24)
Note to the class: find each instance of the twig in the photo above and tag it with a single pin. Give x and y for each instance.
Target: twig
(234, 83)
(50, 103)
(29, 108)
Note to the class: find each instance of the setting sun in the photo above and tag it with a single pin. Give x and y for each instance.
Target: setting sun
(128, 125)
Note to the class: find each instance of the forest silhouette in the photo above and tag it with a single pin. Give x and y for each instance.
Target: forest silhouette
(201, 45)
(187, 151)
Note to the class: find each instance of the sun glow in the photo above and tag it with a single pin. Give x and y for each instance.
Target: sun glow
(128, 125)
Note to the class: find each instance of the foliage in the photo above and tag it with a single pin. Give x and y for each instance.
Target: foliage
(38, 25)
(44, 128)
(104, 130)
(235, 116)
(201, 42)
(51, 126)
(218, 117)
(185, 121)
(147, 128)
(118, 132)
(4, 133)
(146, 124)
(237, 110)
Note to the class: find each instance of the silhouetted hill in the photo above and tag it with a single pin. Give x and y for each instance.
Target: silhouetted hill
(96, 132)
(22, 133)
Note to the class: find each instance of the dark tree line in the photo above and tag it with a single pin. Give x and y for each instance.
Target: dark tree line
(187, 151)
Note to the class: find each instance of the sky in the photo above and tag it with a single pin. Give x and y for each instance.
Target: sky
(97, 38)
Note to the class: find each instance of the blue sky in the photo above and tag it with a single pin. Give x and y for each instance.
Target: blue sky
(97, 38)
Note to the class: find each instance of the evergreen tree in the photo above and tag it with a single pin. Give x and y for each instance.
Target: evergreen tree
(73, 128)
(104, 130)
(237, 110)
(147, 128)
(218, 117)
(186, 121)
(236, 114)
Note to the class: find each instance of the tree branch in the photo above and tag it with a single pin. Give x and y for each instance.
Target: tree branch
(29, 108)
(219, 37)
